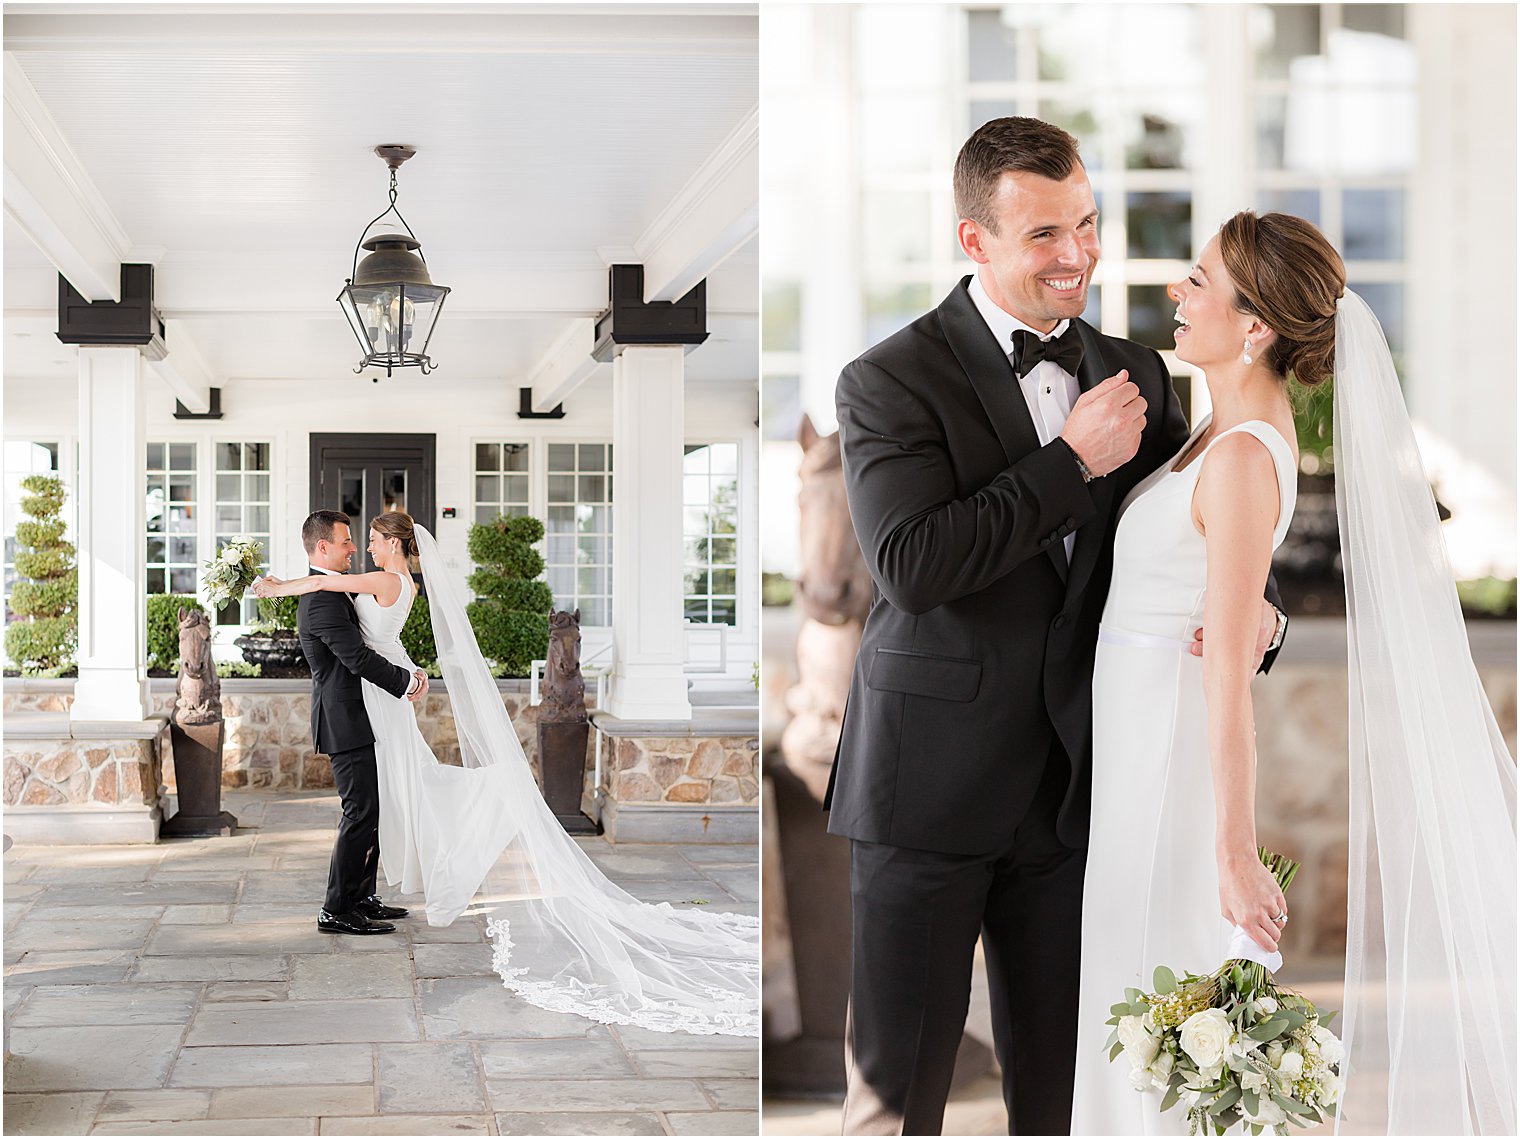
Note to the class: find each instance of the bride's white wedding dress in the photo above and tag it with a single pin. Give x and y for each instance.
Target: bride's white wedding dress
(565, 938)
(1151, 895)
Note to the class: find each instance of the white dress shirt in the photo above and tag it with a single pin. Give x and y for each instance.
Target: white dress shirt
(1049, 390)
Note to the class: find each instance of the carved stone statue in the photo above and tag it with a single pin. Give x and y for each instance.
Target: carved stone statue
(198, 697)
(564, 687)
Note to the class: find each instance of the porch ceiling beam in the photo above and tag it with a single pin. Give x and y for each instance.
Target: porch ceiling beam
(184, 370)
(676, 29)
(51, 197)
(565, 366)
(716, 213)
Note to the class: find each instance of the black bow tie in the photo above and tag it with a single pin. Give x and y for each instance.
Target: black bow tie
(1065, 350)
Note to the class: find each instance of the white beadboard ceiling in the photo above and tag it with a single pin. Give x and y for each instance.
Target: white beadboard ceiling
(233, 145)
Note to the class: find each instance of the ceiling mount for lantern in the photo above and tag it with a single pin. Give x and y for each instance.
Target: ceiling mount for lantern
(390, 301)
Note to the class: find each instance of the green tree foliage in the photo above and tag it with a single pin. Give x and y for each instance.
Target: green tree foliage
(417, 637)
(43, 639)
(511, 617)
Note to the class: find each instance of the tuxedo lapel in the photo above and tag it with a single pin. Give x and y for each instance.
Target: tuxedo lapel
(990, 373)
(1090, 538)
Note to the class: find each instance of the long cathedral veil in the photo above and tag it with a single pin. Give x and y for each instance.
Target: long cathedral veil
(566, 938)
(1429, 1021)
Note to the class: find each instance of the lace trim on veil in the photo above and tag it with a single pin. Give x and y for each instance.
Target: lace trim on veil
(726, 1016)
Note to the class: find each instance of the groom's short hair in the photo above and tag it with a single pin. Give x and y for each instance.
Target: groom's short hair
(1016, 143)
(318, 527)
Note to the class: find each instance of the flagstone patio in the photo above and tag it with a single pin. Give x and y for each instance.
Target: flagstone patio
(183, 988)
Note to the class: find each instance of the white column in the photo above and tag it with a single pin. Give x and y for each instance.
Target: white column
(648, 432)
(113, 682)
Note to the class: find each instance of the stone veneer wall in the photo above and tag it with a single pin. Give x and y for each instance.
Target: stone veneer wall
(722, 771)
(106, 772)
(268, 741)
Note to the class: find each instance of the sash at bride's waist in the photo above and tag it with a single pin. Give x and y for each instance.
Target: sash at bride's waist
(1108, 635)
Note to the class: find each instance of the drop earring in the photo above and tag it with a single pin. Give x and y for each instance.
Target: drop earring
(1247, 356)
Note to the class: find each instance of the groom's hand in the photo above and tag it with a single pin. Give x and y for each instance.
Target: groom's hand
(1105, 424)
(1265, 632)
(419, 686)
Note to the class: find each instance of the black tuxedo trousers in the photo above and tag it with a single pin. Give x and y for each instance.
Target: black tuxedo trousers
(339, 661)
(963, 772)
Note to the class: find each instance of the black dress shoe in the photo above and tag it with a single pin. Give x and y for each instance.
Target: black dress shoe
(376, 910)
(351, 922)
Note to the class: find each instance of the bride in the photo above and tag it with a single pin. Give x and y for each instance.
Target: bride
(565, 938)
(1172, 873)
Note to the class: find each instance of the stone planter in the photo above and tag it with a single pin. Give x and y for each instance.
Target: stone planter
(278, 655)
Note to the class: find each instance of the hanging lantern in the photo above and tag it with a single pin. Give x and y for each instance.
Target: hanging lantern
(390, 301)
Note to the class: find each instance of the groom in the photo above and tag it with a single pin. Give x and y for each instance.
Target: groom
(987, 449)
(340, 728)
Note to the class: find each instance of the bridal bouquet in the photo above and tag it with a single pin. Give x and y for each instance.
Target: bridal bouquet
(231, 572)
(1233, 1046)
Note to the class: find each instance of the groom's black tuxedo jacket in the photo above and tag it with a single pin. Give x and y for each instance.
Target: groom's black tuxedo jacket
(978, 651)
(339, 658)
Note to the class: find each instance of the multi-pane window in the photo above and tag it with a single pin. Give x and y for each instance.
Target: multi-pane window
(1336, 110)
(710, 526)
(173, 552)
(243, 496)
(23, 457)
(578, 543)
(501, 480)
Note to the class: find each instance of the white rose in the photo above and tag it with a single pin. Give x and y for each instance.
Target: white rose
(1264, 1005)
(1267, 1113)
(1330, 1046)
(232, 555)
(1291, 1065)
(1205, 1036)
(1162, 1065)
(1139, 1045)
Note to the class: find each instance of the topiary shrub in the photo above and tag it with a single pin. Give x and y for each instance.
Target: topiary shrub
(163, 628)
(511, 617)
(43, 640)
(417, 637)
(277, 614)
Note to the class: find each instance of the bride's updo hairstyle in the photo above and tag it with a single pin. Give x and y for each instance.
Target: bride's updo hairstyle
(397, 524)
(1286, 273)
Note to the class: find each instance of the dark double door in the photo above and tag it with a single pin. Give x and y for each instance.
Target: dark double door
(365, 475)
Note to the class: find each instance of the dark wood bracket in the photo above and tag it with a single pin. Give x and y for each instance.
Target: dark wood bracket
(629, 320)
(182, 412)
(127, 322)
(525, 407)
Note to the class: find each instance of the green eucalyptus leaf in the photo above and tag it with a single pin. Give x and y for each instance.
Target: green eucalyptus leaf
(1171, 1097)
(1165, 980)
(1113, 1053)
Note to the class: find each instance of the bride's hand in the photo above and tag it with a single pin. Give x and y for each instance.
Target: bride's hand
(265, 586)
(1249, 897)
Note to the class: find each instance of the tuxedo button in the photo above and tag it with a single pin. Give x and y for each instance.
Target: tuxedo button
(1059, 622)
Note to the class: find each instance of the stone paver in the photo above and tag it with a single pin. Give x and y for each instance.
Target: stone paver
(304, 1022)
(183, 988)
(90, 1058)
(407, 1125)
(578, 1123)
(62, 1113)
(221, 1067)
(714, 1122)
(311, 1099)
(431, 1077)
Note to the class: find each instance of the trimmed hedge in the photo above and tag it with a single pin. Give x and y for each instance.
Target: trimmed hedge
(511, 618)
(43, 639)
(417, 637)
(278, 612)
(163, 628)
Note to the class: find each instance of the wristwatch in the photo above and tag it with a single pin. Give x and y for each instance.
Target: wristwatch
(1082, 468)
(1279, 633)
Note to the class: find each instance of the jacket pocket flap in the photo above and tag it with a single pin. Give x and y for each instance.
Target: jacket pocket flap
(918, 674)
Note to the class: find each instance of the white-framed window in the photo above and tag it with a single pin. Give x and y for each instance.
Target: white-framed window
(24, 457)
(1183, 112)
(503, 480)
(710, 532)
(578, 528)
(174, 555)
(242, 478)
